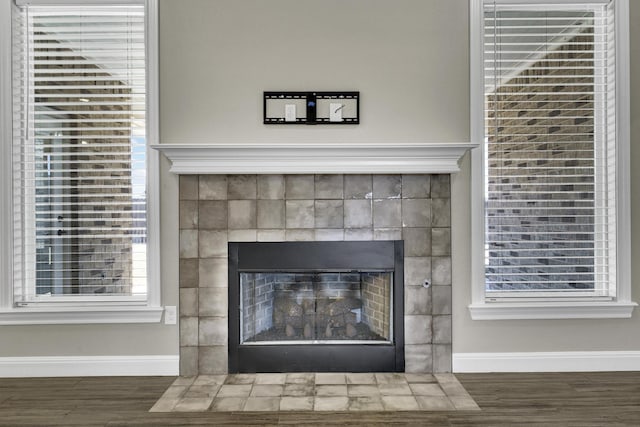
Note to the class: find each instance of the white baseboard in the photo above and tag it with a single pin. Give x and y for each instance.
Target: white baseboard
(72, 366)
(567, 361)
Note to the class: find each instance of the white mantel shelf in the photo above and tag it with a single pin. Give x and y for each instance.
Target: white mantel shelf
(241, 158)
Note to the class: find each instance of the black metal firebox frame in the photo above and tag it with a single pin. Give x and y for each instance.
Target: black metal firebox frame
(316, 256)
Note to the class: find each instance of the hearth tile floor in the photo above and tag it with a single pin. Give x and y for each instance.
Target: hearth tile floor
(316, 392)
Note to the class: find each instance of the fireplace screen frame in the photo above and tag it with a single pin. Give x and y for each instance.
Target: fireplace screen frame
(356, 256)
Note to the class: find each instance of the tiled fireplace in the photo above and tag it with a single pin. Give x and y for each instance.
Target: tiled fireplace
(216, 209)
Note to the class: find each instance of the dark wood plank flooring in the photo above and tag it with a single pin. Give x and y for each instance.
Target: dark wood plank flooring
(553, 399)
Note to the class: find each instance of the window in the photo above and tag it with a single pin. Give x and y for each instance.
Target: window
(82, 182)
(550, 171)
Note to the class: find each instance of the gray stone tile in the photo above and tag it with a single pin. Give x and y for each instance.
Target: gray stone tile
(442, 329)
(213, 272)
(416, 212)
(390, 378)
(188, 331)
(440, 186)
(213, 302)
(298, 235)
(202, 391)
(416, 270)
(188, 187)
(299, 214)
(386, 213)
(353, 234)
(235, 390)
(188, 361)
(358, 214)
(267, 390)
(417, 300)
(228, 404)
(416, 186)
(241, 187)
(329, 234)
(387, 186)
(243, 235)
(358, 187)
(242, 214)
(420, 377)
(182, 380)
(363, 390)
(188, 272)
(365, 403)
(400, 403)
(212, 331)
(299, 187)
(212, 243)
(417, 241)
(441, 270)
(333, 403)
(295, 403)
(212, 187)
(464, 403)
(329, 214)
(331, 390)
(301, 378)
(418, 358)
(198, 404)
(432, 389)
(164, 405)
(329, 186)
(271, 214)
(236, 379)
(261, 404)
(188, 302)
(305, 389)
(270, 378)
(440, 212)
(188, 243)
(271, 187)
(213, 214)
(363, 378)
(440, 241)
(393, 389)
(435, 403)
(271, 235)
(330, 378)
(188, 214)
(387, 234)
(417, 329)
(441, 296)
(210, 379)
(213, 360)
(442, 358)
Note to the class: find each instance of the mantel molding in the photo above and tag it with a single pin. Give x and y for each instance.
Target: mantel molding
(239, 158)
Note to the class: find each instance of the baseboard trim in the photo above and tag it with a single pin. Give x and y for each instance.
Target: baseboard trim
(81, 366)
(568, 361)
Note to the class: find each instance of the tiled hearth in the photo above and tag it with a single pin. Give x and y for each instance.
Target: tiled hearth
(217, 209)
(316, 392)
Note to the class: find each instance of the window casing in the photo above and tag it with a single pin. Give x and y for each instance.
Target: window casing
(84, 184)
(550, 177)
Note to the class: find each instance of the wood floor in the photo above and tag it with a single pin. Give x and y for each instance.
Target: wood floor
(575, 399)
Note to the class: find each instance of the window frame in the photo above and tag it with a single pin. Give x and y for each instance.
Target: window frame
(551, 308)
(85, 311)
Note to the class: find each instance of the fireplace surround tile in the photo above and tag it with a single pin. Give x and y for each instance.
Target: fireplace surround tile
(307, 208)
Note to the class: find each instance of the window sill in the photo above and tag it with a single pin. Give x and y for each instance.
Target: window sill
(552, 310)
(80, 315)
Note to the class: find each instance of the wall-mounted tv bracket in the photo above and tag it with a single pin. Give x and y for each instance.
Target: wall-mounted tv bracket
(311, 108)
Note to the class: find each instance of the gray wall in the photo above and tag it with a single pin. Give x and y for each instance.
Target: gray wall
(409, 59)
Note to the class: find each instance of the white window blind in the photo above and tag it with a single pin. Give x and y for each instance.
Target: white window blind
(79, 153)
(549, 84)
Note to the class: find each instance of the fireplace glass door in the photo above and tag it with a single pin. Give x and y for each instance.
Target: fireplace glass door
(316, 307)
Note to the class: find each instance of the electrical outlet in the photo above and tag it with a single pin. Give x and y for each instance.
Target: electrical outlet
(170, 315)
